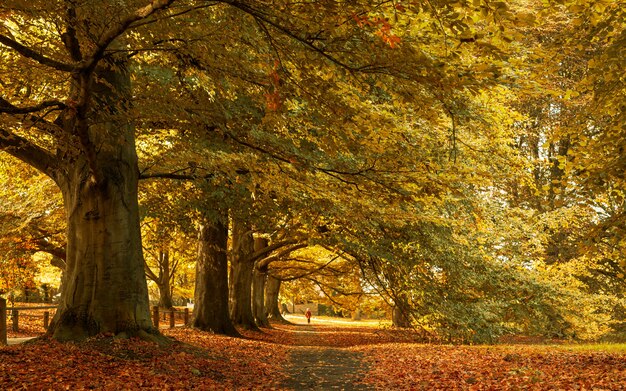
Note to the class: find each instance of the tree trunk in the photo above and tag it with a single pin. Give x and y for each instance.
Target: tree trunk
(258, 297)
(272, 309)
(164, 278)
(165, 295)
(241, 293)
(259, 277)
(400, 318)
(105, 288)
(210, 310)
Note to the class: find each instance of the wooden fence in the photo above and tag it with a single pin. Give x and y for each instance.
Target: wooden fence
(3, 321)
(171, 314)
(16, 313)
(157, 316)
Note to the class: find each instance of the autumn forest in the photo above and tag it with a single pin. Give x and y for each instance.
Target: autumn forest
(424, 175)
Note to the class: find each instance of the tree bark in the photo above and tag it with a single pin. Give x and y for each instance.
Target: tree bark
(105, 288)
(241, 287)
(259, 277)
(258, 295)
(400, 317)
(163, 280)
(210, 311)
(272, 309)
(165, 295)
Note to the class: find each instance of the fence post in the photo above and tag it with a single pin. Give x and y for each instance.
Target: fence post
(172, 318)
(46, 319)
(16, 320)
(155, 316)
(186, 316)
(3, 321)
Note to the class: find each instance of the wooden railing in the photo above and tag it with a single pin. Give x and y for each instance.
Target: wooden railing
(15, 317)
(3, 321)
(170, 314)
(157, 314)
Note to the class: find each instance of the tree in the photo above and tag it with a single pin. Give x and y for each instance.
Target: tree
(278, 251)
(166, 251)
(88, 150)
(211, 310)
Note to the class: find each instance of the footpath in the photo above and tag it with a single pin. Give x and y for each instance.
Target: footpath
(314, 367)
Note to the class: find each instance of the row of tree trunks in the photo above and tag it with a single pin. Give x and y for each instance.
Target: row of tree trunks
(94, 163)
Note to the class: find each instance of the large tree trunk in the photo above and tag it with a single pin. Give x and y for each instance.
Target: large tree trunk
(241, 287)
(272, 309)
(258, 297)
(259, 277)
(105, 288)
(210, 311)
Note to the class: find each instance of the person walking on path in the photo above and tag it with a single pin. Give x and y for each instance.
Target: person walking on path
(307, 314)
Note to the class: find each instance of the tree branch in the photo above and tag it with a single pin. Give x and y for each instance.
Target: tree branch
(28, 152)
(33, 55)
(109, 36)
(262, 19)
(307, 273)
(255, 256)
(9, 108)
(173, 175)
(45, 246)
(267, 261)
(149, 273)
(69, 37)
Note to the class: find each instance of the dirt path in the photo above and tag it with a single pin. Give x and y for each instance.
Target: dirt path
(314, 367)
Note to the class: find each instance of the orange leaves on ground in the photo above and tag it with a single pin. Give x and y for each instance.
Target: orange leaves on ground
(198, 360)
(412, 366)
(261, 360)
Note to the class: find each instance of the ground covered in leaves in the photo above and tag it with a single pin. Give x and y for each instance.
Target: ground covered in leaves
(323, 355)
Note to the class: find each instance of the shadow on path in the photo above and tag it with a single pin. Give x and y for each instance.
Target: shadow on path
(323, 368)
